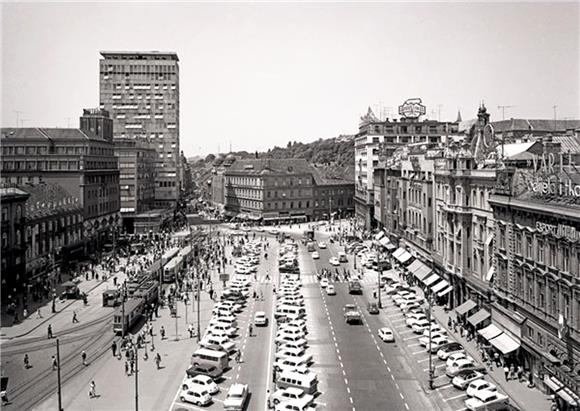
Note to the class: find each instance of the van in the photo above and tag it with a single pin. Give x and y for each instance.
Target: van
(218, 359)
(289, 310)
(306, 381)
(342, 257)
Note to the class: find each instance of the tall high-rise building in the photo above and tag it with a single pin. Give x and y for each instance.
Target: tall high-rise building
(141, 91)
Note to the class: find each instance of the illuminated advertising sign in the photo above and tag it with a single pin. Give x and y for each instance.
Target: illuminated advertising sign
(412, 108)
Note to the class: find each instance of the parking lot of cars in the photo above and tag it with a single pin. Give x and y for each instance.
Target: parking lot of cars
(458, 378)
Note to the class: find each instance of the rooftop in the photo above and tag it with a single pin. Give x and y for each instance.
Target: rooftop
(137, 55)
(48, 133)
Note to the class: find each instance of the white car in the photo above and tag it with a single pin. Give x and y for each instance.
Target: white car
(299, 399)
(464, 378)
(488, 401)
(290, 363)
(300, 324)
(324, 283)
(195, 395)
(437, 341)
(456, 357)
(419, 326)
(289, 331)
(322, 244)
(435, 329)
(477, 386)
(415, 317)
(330, 290)
(294, 353)
(315, 255)
(260, 319)
(386, 334)
(334, 261)
(218, 343)
(203, 381)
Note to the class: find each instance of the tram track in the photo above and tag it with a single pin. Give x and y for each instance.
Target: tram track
(36, 389)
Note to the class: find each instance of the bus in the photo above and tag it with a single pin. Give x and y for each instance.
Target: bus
(132, 310)
(172, 268)
(219, 359)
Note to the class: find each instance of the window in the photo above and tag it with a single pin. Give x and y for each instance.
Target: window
(565, 259)
(552, 255)
(4, 214)
(518, 243)
(541, 251)
(502, 237)
(529, 246)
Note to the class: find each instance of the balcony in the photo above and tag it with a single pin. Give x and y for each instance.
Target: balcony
(456, 209)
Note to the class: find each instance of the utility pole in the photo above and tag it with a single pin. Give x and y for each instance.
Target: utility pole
(58, 375)
(502, 108)
(136, 379)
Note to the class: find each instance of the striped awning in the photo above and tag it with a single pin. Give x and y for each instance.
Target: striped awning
(489, 332)
(445, 291)
(466, 307)
(431, 279)
(439, 286)
(478, 317)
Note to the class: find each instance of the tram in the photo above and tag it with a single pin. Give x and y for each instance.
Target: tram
(132, 311)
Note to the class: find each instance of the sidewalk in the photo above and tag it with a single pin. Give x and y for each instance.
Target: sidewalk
(527, 399)
(62, 318)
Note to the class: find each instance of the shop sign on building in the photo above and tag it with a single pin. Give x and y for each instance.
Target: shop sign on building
(560, 230)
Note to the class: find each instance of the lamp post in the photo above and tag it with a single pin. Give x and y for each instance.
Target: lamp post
(379, 274)
(58, 375)
(137, 379)
(431, 371)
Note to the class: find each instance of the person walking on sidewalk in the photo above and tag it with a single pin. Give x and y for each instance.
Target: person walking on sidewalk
(114, 348)
(126, 367)
(506, 372)
(162, 332)
(49, 331)
(158, 360)
(92, 390)
(26, 362)
(84, 357)
(74, 318)
(251, 330)
(54, 363)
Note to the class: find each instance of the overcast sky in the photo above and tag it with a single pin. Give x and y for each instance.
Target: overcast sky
(259, 75)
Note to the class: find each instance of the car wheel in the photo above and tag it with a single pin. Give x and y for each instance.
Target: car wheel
(276, 402)
(184, 387)
(198, 403)
(182, 399)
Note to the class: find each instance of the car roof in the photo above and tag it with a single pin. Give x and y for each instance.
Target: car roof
(261, 313)
(238, 389)
(294, 390)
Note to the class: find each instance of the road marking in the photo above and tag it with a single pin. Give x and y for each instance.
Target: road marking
(350, 398)
(348, 389)
(392, 377)
(401, 395)
(455, 397)
(345, 381)
(443, 387)
(406, 331)
(406, 406)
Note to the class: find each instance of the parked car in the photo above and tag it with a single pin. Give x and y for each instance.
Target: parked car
(203, 369)
(464, 378)
(464, 364)
(196, 395)
(334, 261)
(456, 357)
(203, 381)
(322, 244)
(236, 398)
(386, 334)
(488, 401)
(324, 283)
(315, 255)
(373, 308)
(330, 290)
(476, 387)
(450, 349)
(296, 395)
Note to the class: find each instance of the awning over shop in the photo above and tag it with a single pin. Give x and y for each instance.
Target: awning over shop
(431, 279)
(489, 332)
(390, 247)
(414, 266)
(439, 286)
(505, 343)
(422, 272)
(466, 307)
(399, 251)
(271, 218)
(445, 291)
(404, 256)
(490, 273)
(384, 241)
(379, 235)
(561, 390)
(478, 317)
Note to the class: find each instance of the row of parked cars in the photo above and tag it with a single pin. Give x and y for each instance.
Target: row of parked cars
(465, 373)
(288, 257)
(296, 384)
(209, 362)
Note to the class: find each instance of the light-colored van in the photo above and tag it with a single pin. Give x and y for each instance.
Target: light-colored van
(306, 381)
(289, 311)
(218, 359)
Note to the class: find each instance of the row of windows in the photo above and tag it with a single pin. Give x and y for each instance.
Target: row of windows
(138, 68)
(107, 207)
(71, 150)
(291, 204)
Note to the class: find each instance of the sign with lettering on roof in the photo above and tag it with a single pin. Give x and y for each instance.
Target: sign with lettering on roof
(412, 108)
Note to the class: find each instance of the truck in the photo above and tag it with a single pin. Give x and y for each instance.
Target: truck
(351, 314)
(354, 287)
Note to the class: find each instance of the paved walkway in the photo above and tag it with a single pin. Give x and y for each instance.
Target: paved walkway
(38, 321)
(527, 399)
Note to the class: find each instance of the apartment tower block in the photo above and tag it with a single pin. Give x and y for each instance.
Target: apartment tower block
(141, 91)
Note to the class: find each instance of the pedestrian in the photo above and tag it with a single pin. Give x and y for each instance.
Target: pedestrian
(496, 359)
(25, 314)
(49, 331)
(126, 367)
(131, 366)
(54, 363)
(268, 399)
(84, 357)
(39, 313)
(512, 374)
(250, 329)
(506, 371)
(162, 332)
(92, 390)
(26, 362)
(114, 348)
(520, 372)
(190, 330)
(74, 318)
(158, 360)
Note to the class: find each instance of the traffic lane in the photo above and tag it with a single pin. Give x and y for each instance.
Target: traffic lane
(371, 385)
(323, 347)
(396, 360)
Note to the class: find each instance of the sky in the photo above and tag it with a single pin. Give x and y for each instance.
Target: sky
(257, 75)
